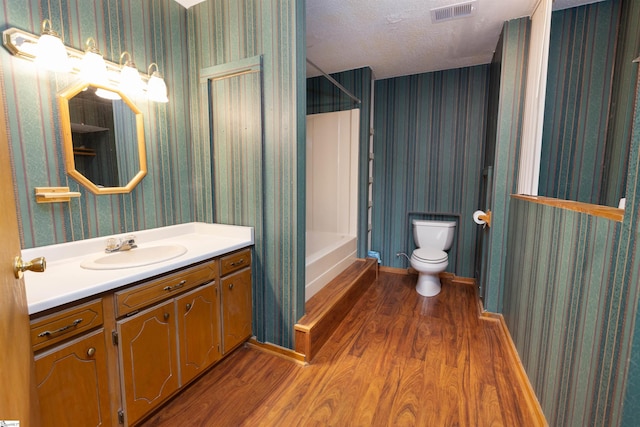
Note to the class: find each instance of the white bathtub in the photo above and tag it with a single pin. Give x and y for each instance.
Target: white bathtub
(328, 254)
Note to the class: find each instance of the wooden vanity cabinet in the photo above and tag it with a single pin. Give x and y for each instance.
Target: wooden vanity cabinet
(71, 367)
(148, 359)
(113, 360)
(168, 332)
(198, 322)
(235, 271)
(166, 346)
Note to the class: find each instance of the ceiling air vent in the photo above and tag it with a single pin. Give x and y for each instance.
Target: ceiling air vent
(455, 11)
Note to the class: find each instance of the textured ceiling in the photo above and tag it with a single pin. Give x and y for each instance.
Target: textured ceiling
(397, 37)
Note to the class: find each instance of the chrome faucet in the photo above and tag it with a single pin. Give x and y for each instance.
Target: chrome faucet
(120, 245)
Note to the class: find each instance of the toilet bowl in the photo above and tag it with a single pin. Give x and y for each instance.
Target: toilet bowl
(432, 238)
(429, 263)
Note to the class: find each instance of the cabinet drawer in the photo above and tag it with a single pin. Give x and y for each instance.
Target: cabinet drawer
(68, 323)
(137, 297)
(235, 261)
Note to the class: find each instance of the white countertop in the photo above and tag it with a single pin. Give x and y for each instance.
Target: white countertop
(65, 281)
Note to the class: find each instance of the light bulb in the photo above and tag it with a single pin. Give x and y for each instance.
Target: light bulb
(130, 81)
(93, 69)
(156, 87)
(50, 51)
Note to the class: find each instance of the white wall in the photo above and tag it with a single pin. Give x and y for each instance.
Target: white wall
(533, 120)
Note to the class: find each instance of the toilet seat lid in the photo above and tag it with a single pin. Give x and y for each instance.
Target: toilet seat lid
(430, 255)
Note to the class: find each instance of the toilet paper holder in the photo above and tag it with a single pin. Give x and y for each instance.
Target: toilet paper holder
(486, 218)
(482, 218)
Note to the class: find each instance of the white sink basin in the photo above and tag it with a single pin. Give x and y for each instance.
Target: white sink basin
(135, 257)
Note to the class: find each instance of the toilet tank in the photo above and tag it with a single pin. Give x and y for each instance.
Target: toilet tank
(433, 234)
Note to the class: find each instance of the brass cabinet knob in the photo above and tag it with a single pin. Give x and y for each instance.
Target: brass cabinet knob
(91, 352)
(166, 316)
(188, 306)
(230, 285)
(37, 264)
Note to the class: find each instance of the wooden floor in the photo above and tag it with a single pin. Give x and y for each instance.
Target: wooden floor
(397, 359)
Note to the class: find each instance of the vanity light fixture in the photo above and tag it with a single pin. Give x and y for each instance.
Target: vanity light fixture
(156, 87)
(90, 64)
(93, 69)
(130, 81)
(50, 52)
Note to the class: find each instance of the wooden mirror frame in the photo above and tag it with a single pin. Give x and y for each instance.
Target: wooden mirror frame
(67, 140)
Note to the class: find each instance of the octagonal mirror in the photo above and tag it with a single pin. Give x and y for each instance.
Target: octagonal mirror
(103, 138)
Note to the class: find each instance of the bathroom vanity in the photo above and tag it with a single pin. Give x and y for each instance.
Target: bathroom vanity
(112, 344)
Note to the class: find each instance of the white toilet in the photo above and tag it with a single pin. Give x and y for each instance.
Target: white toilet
(432, 239)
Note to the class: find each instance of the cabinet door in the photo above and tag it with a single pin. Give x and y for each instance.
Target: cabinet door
(198, 314)
(148, 359)
(236, 309)
(73, 384)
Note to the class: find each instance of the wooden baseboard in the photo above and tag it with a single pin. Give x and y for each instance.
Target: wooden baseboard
(276, 350)
(394, 270)
(532, 400)
(444, 276)
(464, 280)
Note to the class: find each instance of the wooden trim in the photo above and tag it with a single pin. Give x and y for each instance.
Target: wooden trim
(338, 297)
(443, 276)
(469, 281)
(276, 350)
(607, 212)
(532, 401)
(64, 96)
(394, 270)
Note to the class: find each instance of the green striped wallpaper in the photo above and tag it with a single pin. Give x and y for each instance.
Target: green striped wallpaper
(325, 97)
(178, 187)
(152, 31)
(567, 283)
(581, 64)
(503, 138)
(429, 135)
(626, 278)
(232, 111)
(557, 287)
(590, 304)
(622, 103)
(226, 31)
